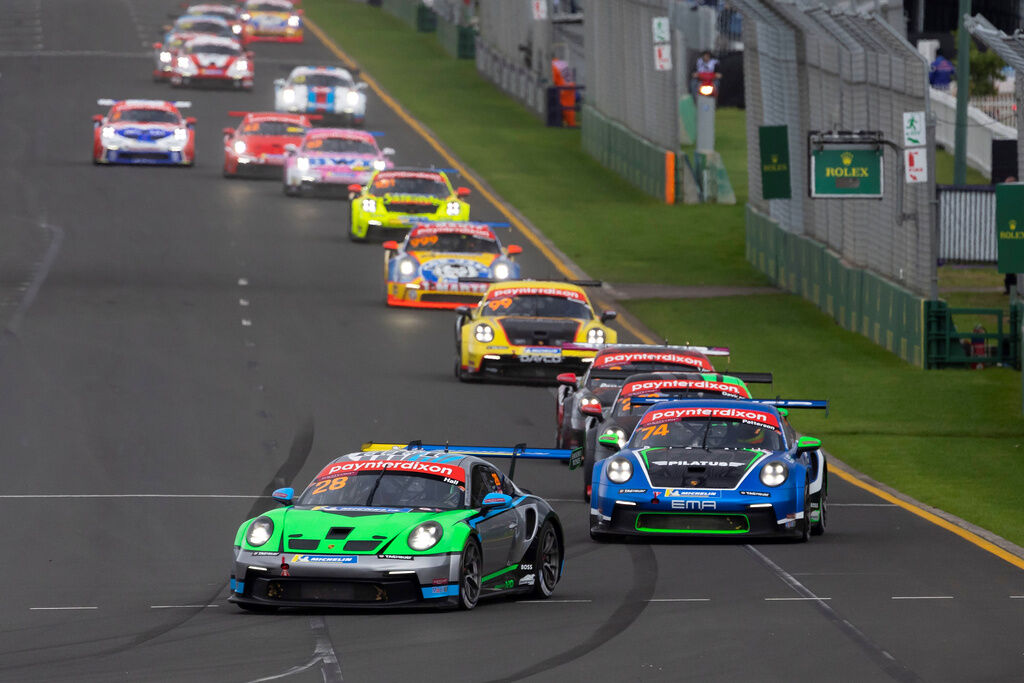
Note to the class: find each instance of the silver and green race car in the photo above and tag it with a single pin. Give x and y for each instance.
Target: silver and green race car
(402, 526)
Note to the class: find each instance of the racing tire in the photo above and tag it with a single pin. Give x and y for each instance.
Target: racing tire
(352, 236)
(804, 525)
(547, 563)
(257, 609)
(589, 454)
(470, 579)
(290, 191)
(818, 527)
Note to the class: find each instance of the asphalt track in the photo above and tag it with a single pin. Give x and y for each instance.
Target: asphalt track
(175, 345)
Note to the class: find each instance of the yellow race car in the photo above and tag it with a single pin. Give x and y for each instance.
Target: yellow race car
(396, 198)
(529, 330)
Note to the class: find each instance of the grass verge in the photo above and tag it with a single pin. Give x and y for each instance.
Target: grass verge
(949, 438)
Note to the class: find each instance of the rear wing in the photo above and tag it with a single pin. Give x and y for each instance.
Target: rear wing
(751, 377)
(421, 221)
(783, 403)
(518, 451)
(108, 102)
(706, 350)
(242, 114)
(578, 283)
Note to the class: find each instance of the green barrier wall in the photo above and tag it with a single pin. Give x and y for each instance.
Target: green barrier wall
(615, 146)
(858, 300)
(458, 41)
(412, 12)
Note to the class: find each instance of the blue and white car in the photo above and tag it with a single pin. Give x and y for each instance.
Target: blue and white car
(326, 90)
(712, 468)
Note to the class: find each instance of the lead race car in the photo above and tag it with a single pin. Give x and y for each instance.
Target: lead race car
(401, 525)
(143, 132)
(429, 268)
(328, 160)
(712, 468)
(278, 21)
(329, 91)
(529, 330)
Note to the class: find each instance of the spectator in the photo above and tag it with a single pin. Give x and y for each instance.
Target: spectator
(942, 73)
(706, 70)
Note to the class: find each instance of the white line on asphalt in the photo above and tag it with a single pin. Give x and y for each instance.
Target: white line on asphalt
(128, 495)
(60, 608)
(243, 302)
(922, 597)
(246, 322)
(1017, 597)
(679, 600)
(541, 602)
(861, 505)
(179, 606)
(242, 282)
(795, 599)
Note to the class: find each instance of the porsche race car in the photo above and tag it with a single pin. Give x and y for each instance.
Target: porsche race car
(430, 266)
(714, 468)
(331, 159)
(229, 13)
(184, 29)
(143, 132)
(257, 147)
(213, 61)
(277, 21)
(326, 90)
(394, 196)
(397, 526)
(529, 330)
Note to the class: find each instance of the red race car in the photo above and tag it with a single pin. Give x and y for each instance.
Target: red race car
(143, 132)
(209, 60)
(257, 146)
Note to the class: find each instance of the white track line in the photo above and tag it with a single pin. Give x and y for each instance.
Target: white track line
(922, 597)
(179, 606)
(861, 505)
(127, 495)
(58, 608)
(542, 602)
(679, 600)
(815, 599)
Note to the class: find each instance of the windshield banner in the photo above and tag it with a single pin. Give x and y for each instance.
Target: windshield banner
(403, 466)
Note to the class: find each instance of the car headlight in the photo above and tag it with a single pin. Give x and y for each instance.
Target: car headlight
(241, 65)
(379, 164)
(108, 132)
(165, 57)
(774, 473)
(619, 470)
(483, 333)
(618, 434)
(184, 62)
(236, 28)
(181, 133)
(453, 208)
(240, 147)
(294, 21)
(288, 95)
(425, 536)
(260, 531)
(595, 336)
(501, 271)
(369, 205)
(407, 267)
(302, 163)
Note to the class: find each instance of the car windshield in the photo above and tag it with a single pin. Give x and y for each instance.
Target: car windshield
(272, 128)
(538, 305)
(227, 12)
(431, 186)
(346, 145)
(605, 388)
(267, 7)
(453, 243)
(144, 116)
(706, 433)
(385, 489)
(322, 81)
(212, 49)
(212, 27)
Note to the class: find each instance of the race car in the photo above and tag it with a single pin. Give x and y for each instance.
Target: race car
(424, 271)
(229, 13)
(394, 196)
(213, 61)
(278, 21)
(326, 90)
(328, 160)
(256, 148)
(577, 397)
(625, 410)
(404, 526)
(525, 329)
(712, 468)
(183, 30)
(143, 132)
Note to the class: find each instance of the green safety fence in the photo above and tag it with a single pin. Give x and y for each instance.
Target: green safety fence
(947, 346)
(458, 41)
(640, 162)
(412, 12)
(858, 300)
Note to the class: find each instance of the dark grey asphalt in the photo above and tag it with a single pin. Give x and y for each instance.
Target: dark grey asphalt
(196, 341)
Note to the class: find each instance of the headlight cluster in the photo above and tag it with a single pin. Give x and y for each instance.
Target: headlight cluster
(453, 208)
(236, 28)
(619, 470)
(240, 65)
(501, 271)
(288, 95)
(369, 205)
(774, 473)
(181, 133)
(165, 57)
(302, 163)
(294, 21)
(379, 164)
(406, 267)
(425, 536)
(240, 147)
(260, 531)
(108, 131)
(184, 63)
(619, 435)
(352, 98)
(595, 336)
(589, 401)
(483, 333)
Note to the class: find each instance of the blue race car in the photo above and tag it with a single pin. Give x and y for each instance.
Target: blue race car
(712, 468)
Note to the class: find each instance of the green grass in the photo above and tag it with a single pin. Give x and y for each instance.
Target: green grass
(909, 428)
(944, 170)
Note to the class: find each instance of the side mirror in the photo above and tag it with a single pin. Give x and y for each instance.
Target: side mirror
(609, 315)
(157, 46)
(291, 149)
(388, 151)
(250, 55)
(591, 409)
(567, 378)
(806, 444)
(391, 245)
(463, 310)
(190, 121)
(97, 118)
(228, 132)
(609, 441)
(496, 500)
(463, 192)
(284, 496)
(513, 249)
(278, 82)
(360, 86)
(355, 187)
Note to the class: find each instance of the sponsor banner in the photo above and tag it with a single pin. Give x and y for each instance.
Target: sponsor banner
(632, 490)
(323, 559)
(453, 228)
(697, 463)
(757, 417)
(689, 493)
(358, 163)
(358, 508)
(659, 385)
(698, 505)
(694, 360)
(760, 494)
(408, 466)
(422, 175)
(503, 292)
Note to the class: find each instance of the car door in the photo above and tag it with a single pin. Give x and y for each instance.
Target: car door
(497, 527)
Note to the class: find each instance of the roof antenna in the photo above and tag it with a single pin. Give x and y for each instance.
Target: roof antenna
(516, 450)
(415, 444)
(446, 445)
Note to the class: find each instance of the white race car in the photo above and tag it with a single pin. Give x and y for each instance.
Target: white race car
(213, 61)
(326, 90)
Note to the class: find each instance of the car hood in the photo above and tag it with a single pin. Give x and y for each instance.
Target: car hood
(144, 132)
(699, 467)
(436, 266)
(269, 144)
(353, 529)
(355, 162)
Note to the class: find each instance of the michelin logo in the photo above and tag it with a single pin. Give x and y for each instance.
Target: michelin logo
(324, 559)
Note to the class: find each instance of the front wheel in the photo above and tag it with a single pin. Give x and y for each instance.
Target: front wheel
(547, 564)
(821, 521)
(805, 523)
(469, 575)
(589, 453)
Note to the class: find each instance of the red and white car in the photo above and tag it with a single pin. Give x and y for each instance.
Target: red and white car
(278, 21)
(208, 60)
(143, 132)
(185, 29)
(229, 13)
(257, 146)
(331, 159)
